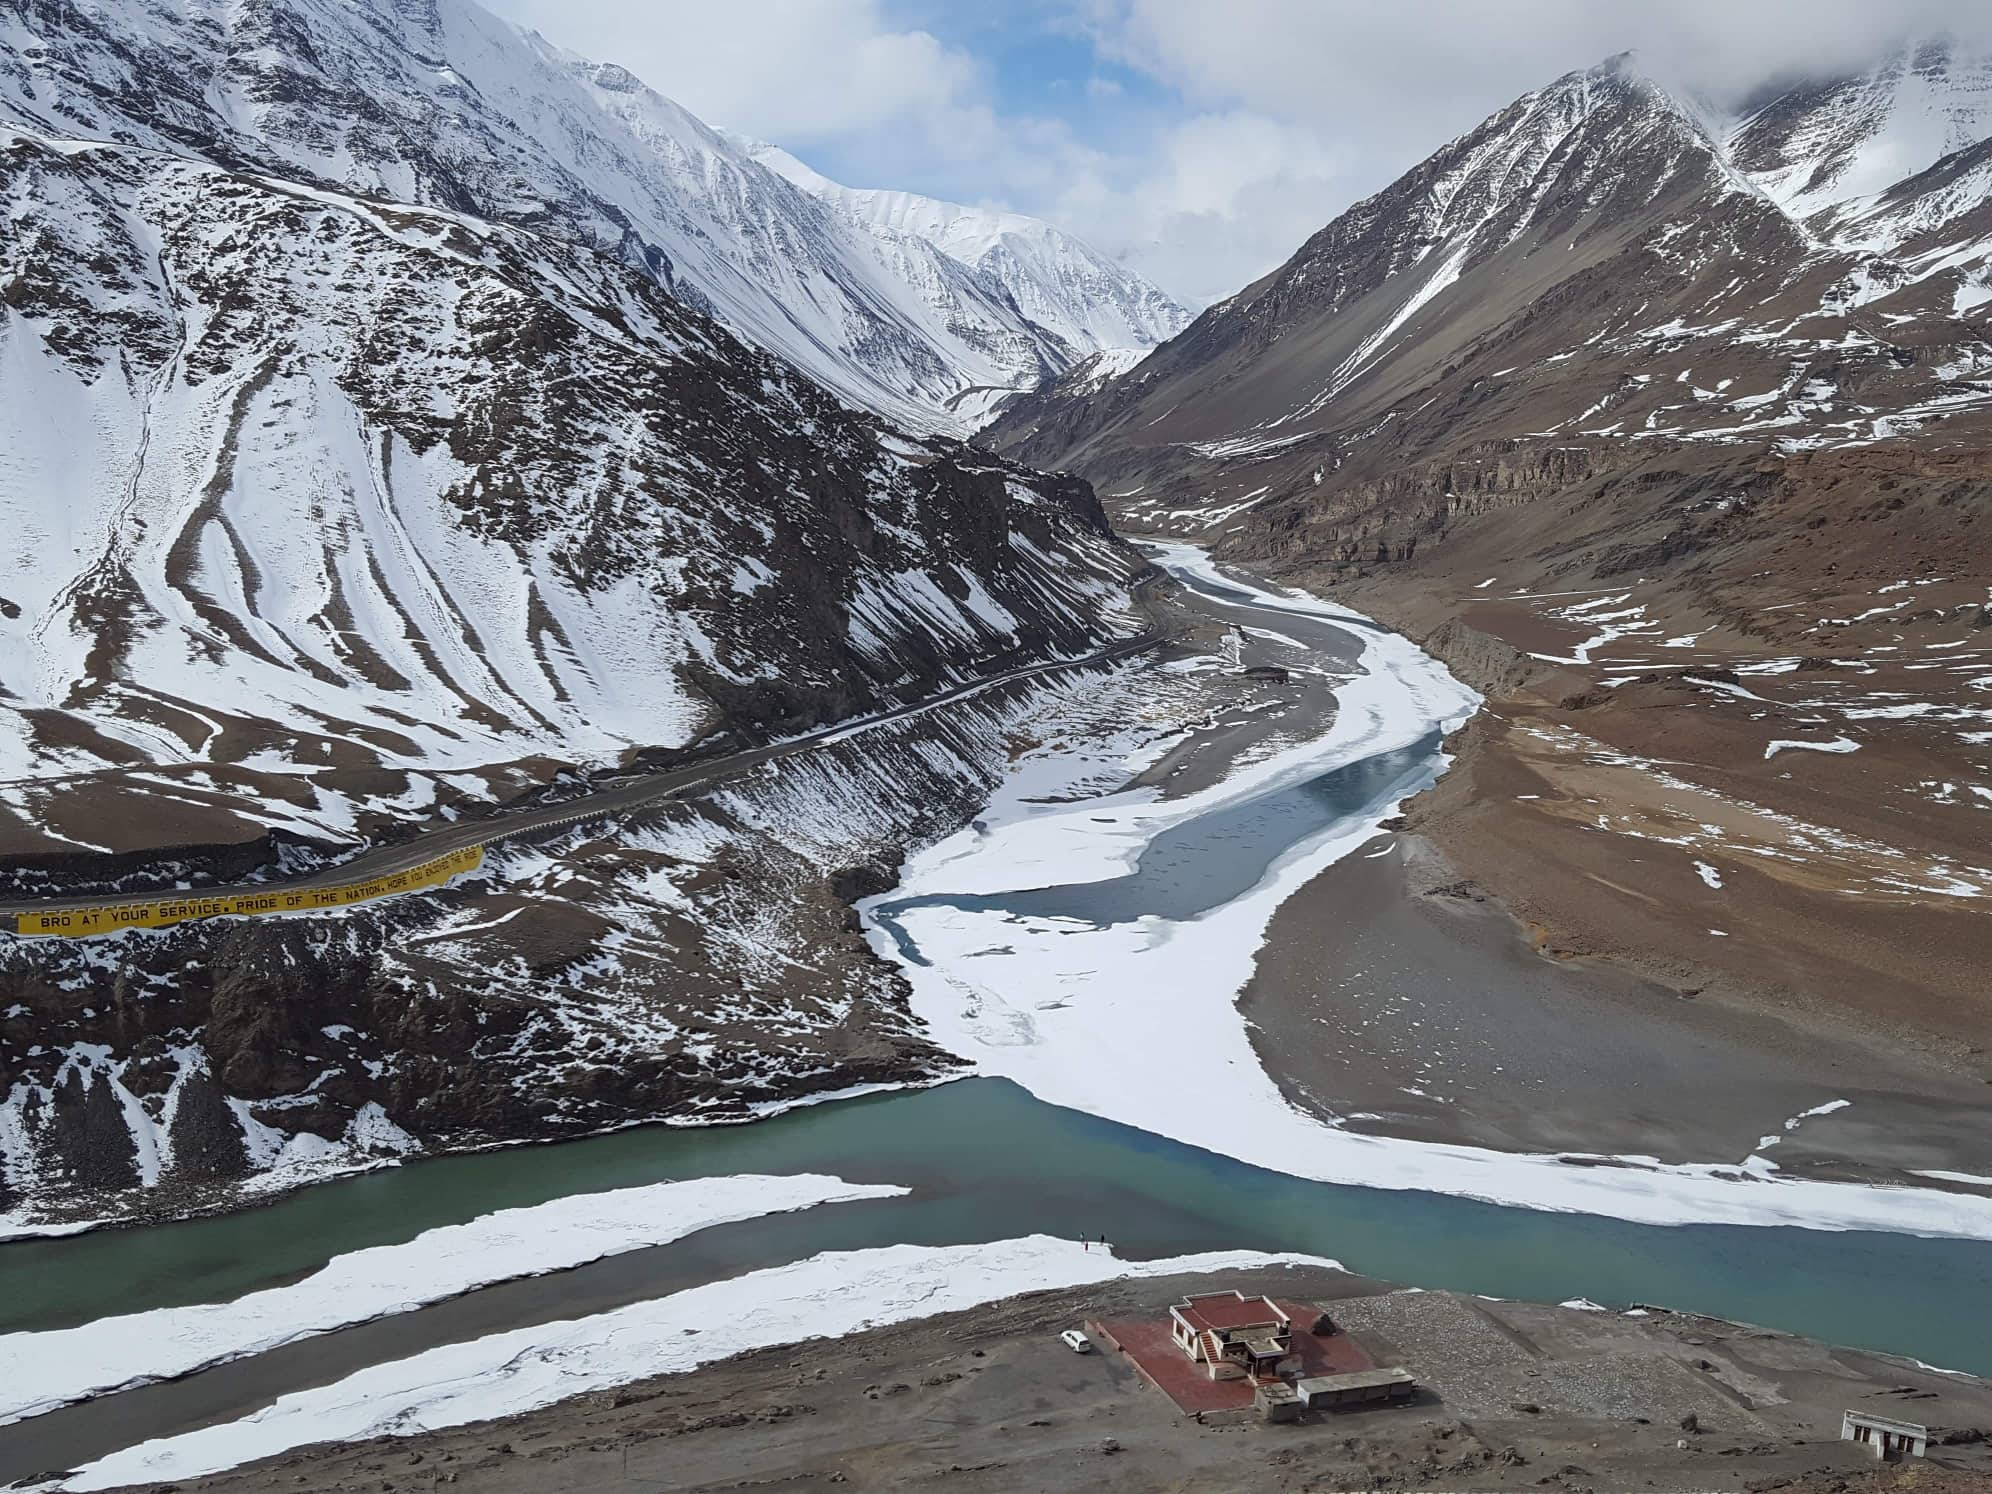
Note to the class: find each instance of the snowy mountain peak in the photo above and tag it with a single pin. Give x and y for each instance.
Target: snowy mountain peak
(1593, 147)
(1060, 283)
(1820, 145)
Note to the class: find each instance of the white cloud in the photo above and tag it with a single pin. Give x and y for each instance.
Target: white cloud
(1313, 104)
(843, 84)
(1390, 83)
(1432, 68)
(792, 70)
(1272, 115)
(1223, 198)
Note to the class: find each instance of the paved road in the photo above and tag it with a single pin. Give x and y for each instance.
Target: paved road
(645, 789)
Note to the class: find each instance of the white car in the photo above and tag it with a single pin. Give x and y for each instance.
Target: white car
(1076, 1341)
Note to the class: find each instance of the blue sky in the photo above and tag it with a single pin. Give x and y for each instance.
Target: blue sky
(1033, 62)
(1202, 141)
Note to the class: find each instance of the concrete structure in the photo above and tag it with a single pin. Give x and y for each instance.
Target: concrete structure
(1234, 1336)
(1884, 1436)
(1276, 1400)
(1357, 1387)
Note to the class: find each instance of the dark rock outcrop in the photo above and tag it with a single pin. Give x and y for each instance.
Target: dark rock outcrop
(88, 1133)
(207, 1138)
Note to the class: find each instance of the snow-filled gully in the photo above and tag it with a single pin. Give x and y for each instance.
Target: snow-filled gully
(1014, 968)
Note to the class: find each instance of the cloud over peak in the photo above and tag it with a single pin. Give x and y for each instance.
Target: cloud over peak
(1202, 143)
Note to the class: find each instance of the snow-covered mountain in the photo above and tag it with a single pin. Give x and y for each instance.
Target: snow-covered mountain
(1822, 145)
(1601, 258)
(439, 104)
(367, 464)
(1088, 302)
(332, 503)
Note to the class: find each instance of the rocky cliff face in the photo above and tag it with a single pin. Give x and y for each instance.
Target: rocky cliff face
(696, 960)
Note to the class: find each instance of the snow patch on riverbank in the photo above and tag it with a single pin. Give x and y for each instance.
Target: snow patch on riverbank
(825, 1296)
(41, 1371)
(1838, 744)
(1399, 696)
(1138, 1022)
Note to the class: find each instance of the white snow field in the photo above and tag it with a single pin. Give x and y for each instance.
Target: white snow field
(1091, 303)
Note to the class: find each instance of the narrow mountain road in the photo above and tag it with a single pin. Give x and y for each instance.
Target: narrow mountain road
(646, 789)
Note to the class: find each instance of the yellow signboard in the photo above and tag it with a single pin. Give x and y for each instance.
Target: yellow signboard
(80, 923)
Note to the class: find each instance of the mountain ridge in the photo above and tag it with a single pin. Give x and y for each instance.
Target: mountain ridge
(1580, 167)
(341, 509)
(438, 103)
(1059, 281)
(362, 479)
(1692, 482)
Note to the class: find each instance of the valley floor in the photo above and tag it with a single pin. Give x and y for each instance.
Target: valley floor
(1549, 964)
(1782, 810)
(1401, 999)
(1387, 993)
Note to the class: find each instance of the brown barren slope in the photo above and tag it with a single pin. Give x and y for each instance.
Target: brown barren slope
(1674, 478)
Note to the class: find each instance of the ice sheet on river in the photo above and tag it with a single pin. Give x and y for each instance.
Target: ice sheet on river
(1138, 1021)
(41, 1371)
(825, 1296)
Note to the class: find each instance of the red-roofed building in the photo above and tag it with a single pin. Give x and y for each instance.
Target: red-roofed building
(1232, 1335)
(1212, 1356)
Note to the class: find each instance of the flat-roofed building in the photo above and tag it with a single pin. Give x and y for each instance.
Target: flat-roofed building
(1214, 1355)
(1884, 1436)
(1232, 1335)
(1358, 1387)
